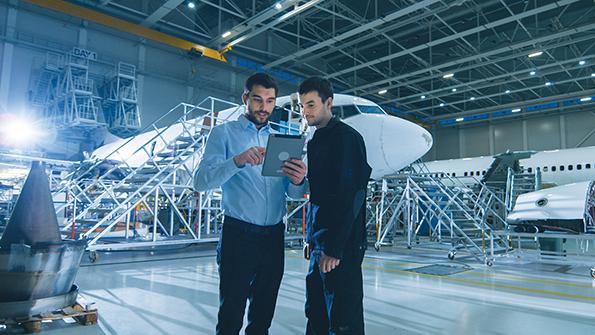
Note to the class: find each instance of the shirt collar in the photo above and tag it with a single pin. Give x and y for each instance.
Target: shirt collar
(246, 124)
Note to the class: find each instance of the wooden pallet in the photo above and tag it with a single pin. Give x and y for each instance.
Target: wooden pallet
(82, 312)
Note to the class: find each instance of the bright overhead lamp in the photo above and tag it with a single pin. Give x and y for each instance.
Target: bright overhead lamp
(549, 83)
(532, 73)
(460, 119)
(535, 54)
(442, 104)
(226, 34)
(507, 91)
(472, 98)
(516, 110)
(586, 99)
(191, 5)
(450, 75)
(423, 96)
(453, 90)
(592, 75)
(278, 5)
(582, 62)
(382, 91)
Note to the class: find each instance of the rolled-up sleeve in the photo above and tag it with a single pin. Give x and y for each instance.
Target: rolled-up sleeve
(298, 191)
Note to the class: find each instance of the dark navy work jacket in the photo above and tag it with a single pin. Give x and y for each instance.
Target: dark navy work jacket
(338, 174)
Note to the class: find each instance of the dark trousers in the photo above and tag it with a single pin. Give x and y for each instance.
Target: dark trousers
(334, 300)
(251, 260)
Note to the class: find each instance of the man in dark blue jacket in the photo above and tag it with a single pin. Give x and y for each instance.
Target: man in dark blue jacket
(338, 174)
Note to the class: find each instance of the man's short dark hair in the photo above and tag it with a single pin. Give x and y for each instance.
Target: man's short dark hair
(318, 84)
(261, 79)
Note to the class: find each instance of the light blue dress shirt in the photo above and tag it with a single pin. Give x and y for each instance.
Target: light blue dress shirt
(247, 195)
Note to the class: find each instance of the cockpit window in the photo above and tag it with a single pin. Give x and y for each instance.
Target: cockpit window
(349, 110)
(336, 110)
(370, 109)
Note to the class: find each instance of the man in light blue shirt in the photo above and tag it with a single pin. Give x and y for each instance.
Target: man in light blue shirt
(250, 254)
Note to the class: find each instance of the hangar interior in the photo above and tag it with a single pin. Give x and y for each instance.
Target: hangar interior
(479, 125)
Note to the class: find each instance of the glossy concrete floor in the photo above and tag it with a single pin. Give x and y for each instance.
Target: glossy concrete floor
(178, 295)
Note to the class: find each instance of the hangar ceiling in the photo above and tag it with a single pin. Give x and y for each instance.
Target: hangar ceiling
(400, 53)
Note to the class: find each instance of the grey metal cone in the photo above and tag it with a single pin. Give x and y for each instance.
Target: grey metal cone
(33, 218)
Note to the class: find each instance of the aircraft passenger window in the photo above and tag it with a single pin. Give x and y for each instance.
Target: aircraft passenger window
(561, 167)
(530, 170)
(587, 166)
(349, 110)
(553, 169)
(579, 167)
(545, 169)
(477, 173)
(336, 111)
(570, 167)
(465, 174)
(483, 173)
(454, 174)
(442, 175)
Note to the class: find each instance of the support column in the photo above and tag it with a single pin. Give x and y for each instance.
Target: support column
(491, 139)
(562, 132)
(140, 77)
(7, 55)
(82, 36)
(462, 151)
(525, 136)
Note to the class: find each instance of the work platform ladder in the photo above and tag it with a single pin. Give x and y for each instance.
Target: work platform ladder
(451, 212)
(150, 176)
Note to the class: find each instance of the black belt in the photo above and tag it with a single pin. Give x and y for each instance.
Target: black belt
(234, 223)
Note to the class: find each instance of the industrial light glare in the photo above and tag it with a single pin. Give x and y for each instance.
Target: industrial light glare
(450, 75)
(532, 73)
(278, 5)
(19, 131)
(382, 91)
(549, 83)
(423, 96)
(586, 99)
(460, 119)
(453, 90)
(226, 34)
(442, 104)
(472, 98)
(582, 62)
(516, 110)
(535, 54)
(191, 5)
(592, 75)
(507, 91)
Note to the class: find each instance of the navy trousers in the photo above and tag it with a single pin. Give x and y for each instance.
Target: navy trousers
(334, 300)
(251, 260)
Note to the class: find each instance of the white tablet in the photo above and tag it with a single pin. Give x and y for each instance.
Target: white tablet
(279, 149)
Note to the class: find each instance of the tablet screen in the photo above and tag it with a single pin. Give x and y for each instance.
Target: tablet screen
(279, 149)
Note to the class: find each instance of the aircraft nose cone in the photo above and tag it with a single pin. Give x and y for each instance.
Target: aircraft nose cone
(403, 142)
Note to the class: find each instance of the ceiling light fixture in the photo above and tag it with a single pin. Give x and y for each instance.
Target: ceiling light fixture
(226, 34)
(460, 119)
(549, 83)
(582, 62)
(191, 5)
(278, 5)
(472, 98)
(586, 99)
(532, 73)
(442, 104)
(507, 91)
(535, 54)
(423, 96)
(453, 90)
(516, 110)
(447, 76)
(382, 91)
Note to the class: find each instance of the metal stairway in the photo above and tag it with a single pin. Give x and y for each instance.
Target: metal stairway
(450, 211)
(155, 176)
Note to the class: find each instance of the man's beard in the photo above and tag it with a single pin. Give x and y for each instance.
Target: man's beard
(253, 118)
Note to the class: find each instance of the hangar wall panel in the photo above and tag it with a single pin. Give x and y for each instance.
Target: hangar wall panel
(507, 136)
(578, 126)
(37, 28)
(447, 145)
(476, 141)
(544, 133)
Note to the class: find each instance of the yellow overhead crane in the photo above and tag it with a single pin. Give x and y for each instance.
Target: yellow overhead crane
(136, 29)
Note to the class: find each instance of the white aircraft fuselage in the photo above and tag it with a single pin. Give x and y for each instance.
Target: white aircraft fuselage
(391, 142)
